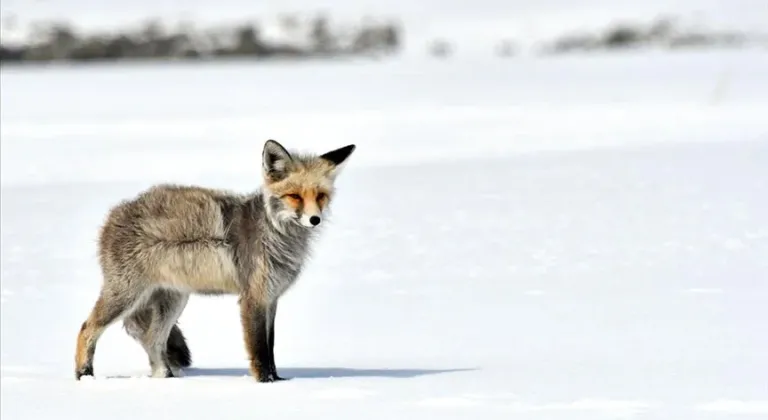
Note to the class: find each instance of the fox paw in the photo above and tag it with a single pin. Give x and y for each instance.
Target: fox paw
(270, 377)
(86, 370)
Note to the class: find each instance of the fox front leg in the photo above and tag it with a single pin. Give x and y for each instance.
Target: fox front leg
(255, 319)
(271, 341)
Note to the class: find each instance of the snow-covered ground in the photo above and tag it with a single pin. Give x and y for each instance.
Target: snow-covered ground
(570, 238)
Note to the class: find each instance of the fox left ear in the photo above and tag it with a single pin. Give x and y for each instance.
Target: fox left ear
(338, 156)
(276, 160)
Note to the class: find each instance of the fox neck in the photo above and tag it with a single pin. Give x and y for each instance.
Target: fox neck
(286, 245)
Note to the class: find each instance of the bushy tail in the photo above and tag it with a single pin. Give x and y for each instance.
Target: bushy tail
(178, 352)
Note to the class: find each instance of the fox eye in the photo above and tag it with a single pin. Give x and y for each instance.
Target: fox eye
(321, 196)
(294, 196)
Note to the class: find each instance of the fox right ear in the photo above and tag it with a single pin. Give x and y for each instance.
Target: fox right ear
(337, 158)
(275, 160)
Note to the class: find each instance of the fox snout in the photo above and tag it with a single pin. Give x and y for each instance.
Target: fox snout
(312, 209)
(310, 220)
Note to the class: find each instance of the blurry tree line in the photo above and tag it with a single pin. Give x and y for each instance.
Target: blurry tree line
(664, 33)
(316, 37)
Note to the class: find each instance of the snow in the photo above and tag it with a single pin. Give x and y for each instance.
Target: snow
(560, 238)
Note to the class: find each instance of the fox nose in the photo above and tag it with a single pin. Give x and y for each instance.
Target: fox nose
(315, 220)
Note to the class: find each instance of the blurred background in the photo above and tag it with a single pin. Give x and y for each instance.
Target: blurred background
(556, 207)
(89, 30)
(142, 70)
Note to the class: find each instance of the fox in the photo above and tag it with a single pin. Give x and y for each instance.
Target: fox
(171, 241)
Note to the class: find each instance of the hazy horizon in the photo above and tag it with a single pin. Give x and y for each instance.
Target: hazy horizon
(481, 19)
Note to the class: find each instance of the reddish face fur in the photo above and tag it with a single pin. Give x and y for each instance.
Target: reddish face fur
(302, 183)
(309, 199)
(306, 190)
(306, 197)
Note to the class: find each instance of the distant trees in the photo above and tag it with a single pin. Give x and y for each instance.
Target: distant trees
(59, 41)
(319, 37)
(663, 33)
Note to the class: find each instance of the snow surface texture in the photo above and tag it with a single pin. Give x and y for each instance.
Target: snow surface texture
(575, 238)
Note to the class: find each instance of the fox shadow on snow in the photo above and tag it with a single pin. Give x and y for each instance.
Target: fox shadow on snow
(323, 372)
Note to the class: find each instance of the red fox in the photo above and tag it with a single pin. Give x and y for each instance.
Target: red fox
(171, 241)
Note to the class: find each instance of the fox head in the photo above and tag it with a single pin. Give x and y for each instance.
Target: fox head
(299, 187)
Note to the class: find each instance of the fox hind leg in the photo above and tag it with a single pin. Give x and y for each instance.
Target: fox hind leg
(109, 307)
(142, 324)
(138, 323)
(154, 331)
(172, 343)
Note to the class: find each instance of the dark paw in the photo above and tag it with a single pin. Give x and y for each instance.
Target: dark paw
(84, 371)
(279, 378)
(273, 372)
(270, 377)
(266, 378)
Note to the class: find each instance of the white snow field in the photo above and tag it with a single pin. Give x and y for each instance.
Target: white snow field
(560, 238)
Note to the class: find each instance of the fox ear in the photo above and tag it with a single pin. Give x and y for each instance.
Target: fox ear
(276, 160)
(338, 156)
